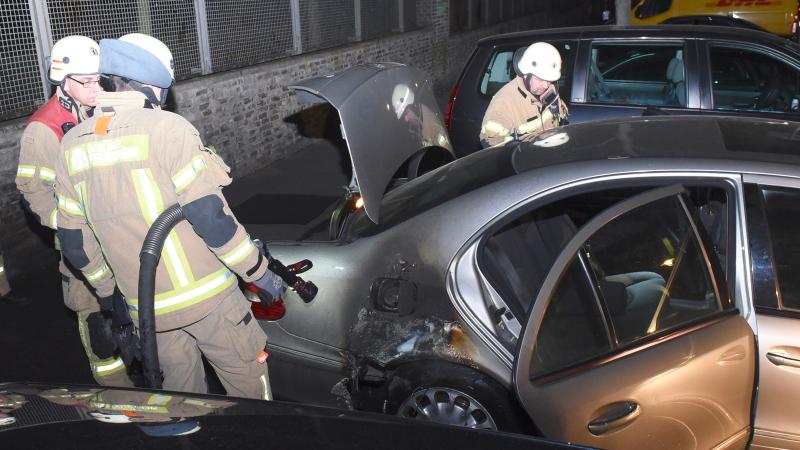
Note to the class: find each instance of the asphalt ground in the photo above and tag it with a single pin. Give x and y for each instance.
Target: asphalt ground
(290, 199)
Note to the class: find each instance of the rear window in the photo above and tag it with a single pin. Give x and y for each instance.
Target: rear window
(500, 69)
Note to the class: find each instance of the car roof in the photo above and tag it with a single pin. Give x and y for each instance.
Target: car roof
(740, 144)
(687, 137)
(661, 31)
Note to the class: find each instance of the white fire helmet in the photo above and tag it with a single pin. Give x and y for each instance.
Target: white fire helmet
(401, 98)
(74, 55)
(541, 60)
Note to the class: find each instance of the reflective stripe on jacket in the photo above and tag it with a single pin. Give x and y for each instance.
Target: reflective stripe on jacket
(514, 109)
(117, 172)
(39, 148)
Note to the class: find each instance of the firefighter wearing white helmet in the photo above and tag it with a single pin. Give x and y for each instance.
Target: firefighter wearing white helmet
(74, 66)
(116, 174)
(528, 104)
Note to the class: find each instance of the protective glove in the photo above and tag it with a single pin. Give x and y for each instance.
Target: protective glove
(123, 330)
(271, 287)
(100, 337)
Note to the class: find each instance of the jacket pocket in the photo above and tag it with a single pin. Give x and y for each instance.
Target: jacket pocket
(244, 333)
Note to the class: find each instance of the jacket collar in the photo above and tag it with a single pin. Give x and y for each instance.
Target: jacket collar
(79, 111)
(120, 101)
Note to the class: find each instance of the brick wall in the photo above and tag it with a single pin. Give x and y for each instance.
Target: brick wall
(243, 113)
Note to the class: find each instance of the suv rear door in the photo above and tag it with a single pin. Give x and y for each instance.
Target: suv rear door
(621, 351)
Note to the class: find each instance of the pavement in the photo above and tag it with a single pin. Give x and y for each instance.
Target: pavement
(290, 199)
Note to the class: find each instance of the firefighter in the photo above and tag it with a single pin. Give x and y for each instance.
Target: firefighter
(528, 104)
(74, 63)
(422, 120)
(116, 173)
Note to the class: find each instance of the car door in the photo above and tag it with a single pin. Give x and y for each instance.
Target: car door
(633, 340)
(750, 80)
(773, 211)
(627, 77)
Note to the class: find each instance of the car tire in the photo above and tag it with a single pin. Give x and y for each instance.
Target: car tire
(455, 395)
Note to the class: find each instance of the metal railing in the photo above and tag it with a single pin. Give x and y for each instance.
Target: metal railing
(205, 36)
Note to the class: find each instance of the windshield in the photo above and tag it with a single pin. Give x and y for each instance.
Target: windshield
(435, 188)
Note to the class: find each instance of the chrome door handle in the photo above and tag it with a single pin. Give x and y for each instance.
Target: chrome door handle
(614, 416)
(781, 360)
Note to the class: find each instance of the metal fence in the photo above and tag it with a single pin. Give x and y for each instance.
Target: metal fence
(206, 36)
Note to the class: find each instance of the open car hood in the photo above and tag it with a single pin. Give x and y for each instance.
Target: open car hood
(388, 114)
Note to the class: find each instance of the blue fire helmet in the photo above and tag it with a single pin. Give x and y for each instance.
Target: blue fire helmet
(130, 61)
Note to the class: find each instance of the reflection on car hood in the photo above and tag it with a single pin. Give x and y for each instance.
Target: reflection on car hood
(388, 114)
(36, 415)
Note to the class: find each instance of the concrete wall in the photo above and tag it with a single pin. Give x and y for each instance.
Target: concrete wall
(243, 113)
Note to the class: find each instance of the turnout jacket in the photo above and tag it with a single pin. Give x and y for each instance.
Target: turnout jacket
(115, 174)
(39, 148)
(512, 109)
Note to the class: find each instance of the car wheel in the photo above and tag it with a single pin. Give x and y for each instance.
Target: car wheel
(454, 395)
(447, 406)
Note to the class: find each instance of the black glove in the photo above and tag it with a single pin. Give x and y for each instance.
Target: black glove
(100, 337)
(123, 330)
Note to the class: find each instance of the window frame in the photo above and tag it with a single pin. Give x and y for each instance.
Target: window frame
(616, 347)
(708, 84)
(467, 273)
(725, 292)
(567, 65)
(767, 294)
(685, 43)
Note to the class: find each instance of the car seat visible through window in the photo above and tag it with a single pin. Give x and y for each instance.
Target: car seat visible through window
(676, 76)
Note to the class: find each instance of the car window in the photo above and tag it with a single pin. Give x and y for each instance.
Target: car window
(782, 208)
(747, 80)
(651, 271)
(650, 8)
(573, 329)
(637, 74)
(500, 69)
(647, 270)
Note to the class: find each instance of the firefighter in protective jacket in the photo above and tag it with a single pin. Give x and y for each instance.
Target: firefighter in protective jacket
(74, 63)
(528, 104)
(116, 173)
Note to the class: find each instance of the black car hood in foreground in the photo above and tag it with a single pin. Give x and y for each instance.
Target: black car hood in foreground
(88, 417)
(388, 114)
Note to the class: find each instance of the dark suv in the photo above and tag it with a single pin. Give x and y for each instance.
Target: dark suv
(616, 72)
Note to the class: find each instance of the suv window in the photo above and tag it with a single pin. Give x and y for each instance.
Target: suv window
(645, 269)
(637, 74)
(782, 207)
(747, 80)
(500, 69)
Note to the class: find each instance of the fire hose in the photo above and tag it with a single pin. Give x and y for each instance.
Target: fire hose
(148, 263)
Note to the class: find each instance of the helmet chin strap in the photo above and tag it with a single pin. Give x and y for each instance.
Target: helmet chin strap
(527, 80)
(69, 103)
(155, 101)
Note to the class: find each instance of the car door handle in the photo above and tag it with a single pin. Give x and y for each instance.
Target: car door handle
(614, 416)
(781, 360)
